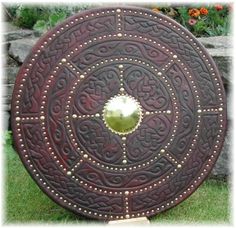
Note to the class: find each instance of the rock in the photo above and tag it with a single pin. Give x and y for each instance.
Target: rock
(215, 42)
(220, 48)
(222, 168)
(19, 49)
(10, 74)
(11, 62)
(224, 65)
(18, 34)
(11, 32)
(8, 27)
(6, 118)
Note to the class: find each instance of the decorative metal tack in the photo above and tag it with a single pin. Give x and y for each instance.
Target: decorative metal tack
(174, 113)
(69, 173)
(124, 161)
(85, 156)
(17, 119)
(42, 117)
(162, 150)
(126, 193)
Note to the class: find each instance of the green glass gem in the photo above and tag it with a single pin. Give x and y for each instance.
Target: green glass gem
(122, 114)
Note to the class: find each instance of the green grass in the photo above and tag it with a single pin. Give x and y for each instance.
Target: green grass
(25, 202)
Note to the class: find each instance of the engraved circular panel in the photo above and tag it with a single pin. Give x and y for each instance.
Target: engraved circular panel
(118, 113)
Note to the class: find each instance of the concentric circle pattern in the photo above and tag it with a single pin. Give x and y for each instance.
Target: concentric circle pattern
(61, 93)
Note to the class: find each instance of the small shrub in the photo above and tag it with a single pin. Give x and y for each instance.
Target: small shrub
(26, 16)
(41, 18)
(42, 26)
(212, 20)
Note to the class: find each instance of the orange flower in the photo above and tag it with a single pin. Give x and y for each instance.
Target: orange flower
(203, 11)
(156, 10)
(194, 12)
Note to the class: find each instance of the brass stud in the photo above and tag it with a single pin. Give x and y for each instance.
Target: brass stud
(119, 34)
(69, 173)
(63, 60)
(220, 109)
(127, 216)
(199, 110)
(162, 150)
(42, 117)
(179, 166)
(126, 193)
(120, 66)
(124, 161)
(159, 73)
(74, 115)
(97, 114)
(85, 156)
(81, 76)
(168, 112)
(124, 138)
(17, 119)
(118, 10)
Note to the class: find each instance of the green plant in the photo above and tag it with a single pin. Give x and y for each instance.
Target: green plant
(26, 16)
(42, 26)
(41, 18)
(201, 20)
(8, 137)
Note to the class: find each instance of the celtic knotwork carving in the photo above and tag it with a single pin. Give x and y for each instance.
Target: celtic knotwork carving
(183, 89)
(98, 141)
(60, 140)
(124, 48)
(123, 180)
(208, 132)
(147, 88)
(182, 48)
(52, 54)
(96, 90)
(149, 138)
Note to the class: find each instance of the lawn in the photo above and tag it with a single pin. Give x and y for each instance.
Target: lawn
(25, 202)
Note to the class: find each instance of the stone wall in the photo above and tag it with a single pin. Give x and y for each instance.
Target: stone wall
(18, 44)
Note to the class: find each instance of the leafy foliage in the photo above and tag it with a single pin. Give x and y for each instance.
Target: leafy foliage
(41, 18)
(42, 26)
(201, 20)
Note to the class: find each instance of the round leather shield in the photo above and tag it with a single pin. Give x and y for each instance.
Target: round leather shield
(118, 113)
